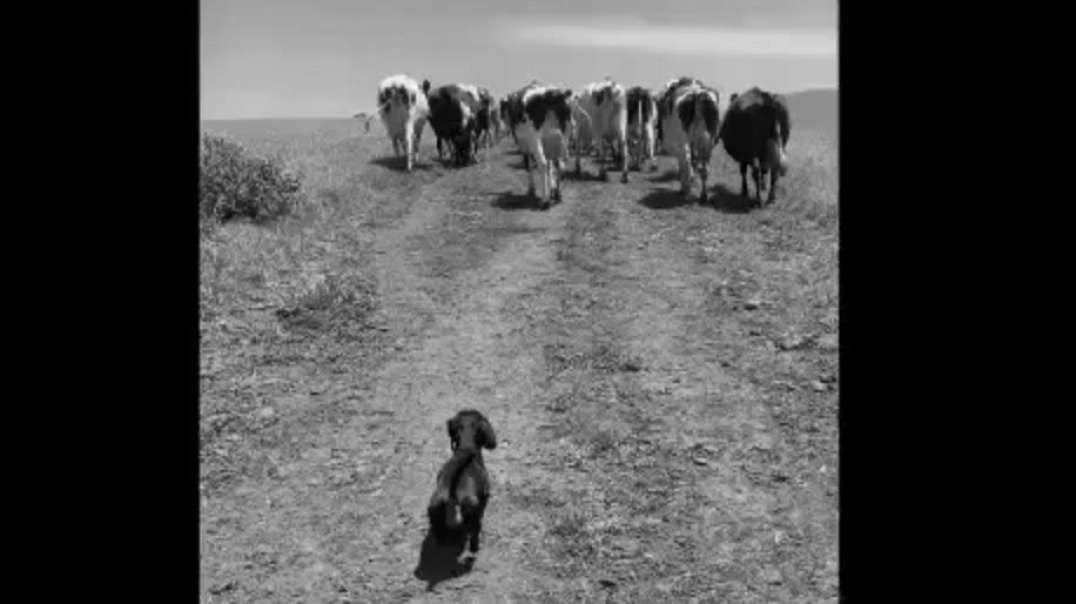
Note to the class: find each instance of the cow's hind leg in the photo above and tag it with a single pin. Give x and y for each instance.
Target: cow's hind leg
(603, 170)
(624, 161)
(743, 179)
(542, 168)
(547, 182)
(704, 172)
(773, 187)
(530, 173)
(756, 174)
(554, 169)
(685, 171)
(408, 144)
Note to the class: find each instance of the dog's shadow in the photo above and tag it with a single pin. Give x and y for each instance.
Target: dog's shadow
(438, 562)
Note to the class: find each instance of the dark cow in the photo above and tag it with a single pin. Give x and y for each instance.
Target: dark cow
(689, 121)
(755, 133)
(452, 117)
(541, 118)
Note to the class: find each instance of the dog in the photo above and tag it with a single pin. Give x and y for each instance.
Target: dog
(459, 502)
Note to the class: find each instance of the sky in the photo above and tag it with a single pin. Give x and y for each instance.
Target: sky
(325, 58)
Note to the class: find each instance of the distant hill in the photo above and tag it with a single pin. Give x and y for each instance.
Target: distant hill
(816, 108)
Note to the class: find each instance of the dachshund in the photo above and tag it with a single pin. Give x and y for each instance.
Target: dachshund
(462, 493)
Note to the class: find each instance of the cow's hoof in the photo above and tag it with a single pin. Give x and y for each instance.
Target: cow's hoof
(624, 178)
(544, 205)
(556, 195)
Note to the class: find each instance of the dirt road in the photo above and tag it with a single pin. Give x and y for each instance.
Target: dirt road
(661, 377)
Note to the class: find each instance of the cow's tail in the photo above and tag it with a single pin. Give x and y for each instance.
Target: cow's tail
(584, 113)
(575, 134)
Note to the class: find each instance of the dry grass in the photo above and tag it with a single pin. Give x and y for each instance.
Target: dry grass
(675, 351)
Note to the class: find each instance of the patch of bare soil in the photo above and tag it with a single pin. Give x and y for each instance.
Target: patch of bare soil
(661, 378)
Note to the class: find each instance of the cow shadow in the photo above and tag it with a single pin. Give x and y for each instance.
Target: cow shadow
(397, 164)
(665, 199)
(439, 562)
(726, 200)
(667, 176)
(511, 201)
(588, 175)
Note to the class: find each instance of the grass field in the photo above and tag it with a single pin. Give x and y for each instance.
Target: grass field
(662, 378)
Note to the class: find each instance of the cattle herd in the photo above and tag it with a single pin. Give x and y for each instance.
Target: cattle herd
(624, 126)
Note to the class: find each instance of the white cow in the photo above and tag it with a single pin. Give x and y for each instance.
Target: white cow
(642, 123)
(602, 117)
(403, 109)
(541, 118)
(689, 122)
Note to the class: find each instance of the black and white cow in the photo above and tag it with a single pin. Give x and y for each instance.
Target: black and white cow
(503, 106)
(404, 110)
(755, 133)
(642, 120)
(540, 118)
(689, 122)
(601, 116)
(453, 109)
(496, 123)
(484, 118)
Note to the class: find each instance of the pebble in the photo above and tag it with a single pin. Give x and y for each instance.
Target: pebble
(752, 304)
(828, 342)
(772, 576)
(819, 386)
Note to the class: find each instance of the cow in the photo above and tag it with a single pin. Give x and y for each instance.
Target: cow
(453, 118)
(484, 124)
(755, 133)
(404, 110)
(689, 121)
(496, 122)
(502, 105)
(365, 121)
(642, 120)
(540, 118)
(602, 117)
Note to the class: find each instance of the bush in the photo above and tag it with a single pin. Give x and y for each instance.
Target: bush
(235, 184)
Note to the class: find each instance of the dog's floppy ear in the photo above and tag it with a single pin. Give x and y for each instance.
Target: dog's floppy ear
(485, 432)
(453, 431)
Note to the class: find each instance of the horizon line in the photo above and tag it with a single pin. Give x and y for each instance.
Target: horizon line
(373, 113)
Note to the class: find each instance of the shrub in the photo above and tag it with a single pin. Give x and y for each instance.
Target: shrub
(235, 184)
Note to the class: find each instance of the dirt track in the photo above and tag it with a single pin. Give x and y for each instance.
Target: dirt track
(661, 377)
